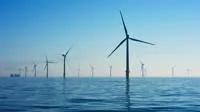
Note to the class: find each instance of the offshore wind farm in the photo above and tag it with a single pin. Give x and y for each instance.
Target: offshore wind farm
(153, 66)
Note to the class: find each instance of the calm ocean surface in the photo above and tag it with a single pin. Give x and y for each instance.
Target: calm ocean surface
(97, 94)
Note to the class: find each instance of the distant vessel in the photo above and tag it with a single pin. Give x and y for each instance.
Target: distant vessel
(15, 75)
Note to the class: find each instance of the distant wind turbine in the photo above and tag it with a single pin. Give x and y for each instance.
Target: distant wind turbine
(172, 71)
(78, 70)
(188, 72)
(25, 70)
(142, 69)
(127, 47)
(47, 66)
(34, 69)
(92, 70)
(64, 56)
(111, 71)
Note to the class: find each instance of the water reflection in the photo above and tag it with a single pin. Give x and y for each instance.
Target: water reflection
(64, 93)
(128, 103)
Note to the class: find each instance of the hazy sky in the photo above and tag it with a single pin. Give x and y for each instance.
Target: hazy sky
(32, 29)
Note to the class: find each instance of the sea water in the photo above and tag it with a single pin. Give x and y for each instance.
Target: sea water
(99, 94)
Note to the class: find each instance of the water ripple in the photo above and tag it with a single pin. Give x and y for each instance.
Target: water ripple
(99, 94)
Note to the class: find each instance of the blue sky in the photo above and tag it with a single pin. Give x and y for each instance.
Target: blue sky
(31, 29)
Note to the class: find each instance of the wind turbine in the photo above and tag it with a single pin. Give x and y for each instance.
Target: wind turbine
(47, 66)
(25, 70)
(78, 70)
(34, 69)
(111, 71)
(127, 47)
(142, 69)
(92, 70)
(64, 56)
(172, 71)
(188, 72)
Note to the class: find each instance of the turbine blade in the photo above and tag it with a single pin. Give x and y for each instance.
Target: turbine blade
(123, 24)
(51, 62)
(68, 64)
(141, 41)
(68, 50)
(45, 66)
(117, 47)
